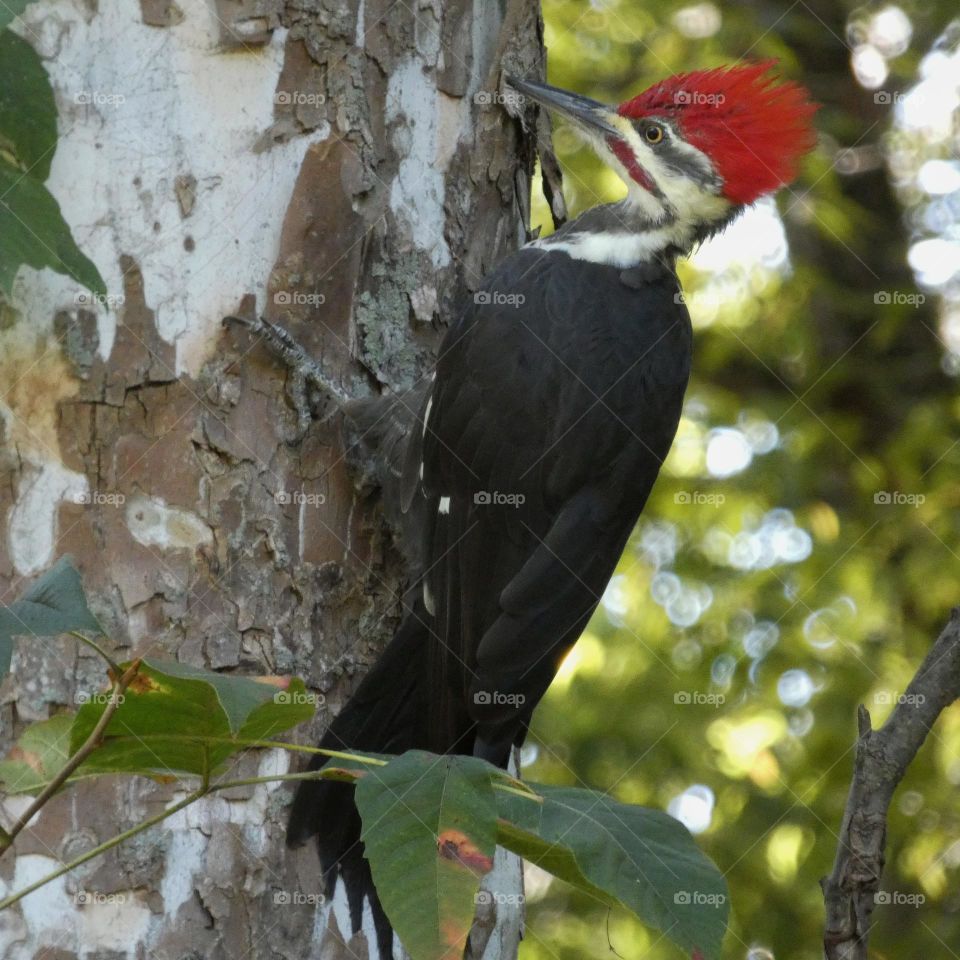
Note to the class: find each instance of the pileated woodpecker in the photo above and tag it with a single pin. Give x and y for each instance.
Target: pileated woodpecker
(556, 397)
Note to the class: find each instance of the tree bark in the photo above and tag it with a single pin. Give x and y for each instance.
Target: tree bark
(343, 168)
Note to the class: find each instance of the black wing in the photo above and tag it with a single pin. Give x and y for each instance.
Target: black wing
(557, 395)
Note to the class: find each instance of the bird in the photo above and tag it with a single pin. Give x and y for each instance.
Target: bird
(557, 393)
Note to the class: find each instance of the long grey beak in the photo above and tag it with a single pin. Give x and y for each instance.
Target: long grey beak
(581, 110)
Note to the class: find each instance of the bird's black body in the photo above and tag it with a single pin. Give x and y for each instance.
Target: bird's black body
(557, 394)
(556, 397)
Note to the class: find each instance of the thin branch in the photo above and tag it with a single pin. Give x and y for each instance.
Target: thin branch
(292, 354)
(89, 745)
(237, 742)
(101, 848)
(881, 761)
(205, 789)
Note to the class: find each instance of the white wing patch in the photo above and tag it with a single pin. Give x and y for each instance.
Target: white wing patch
(444, 507)
(428, 600)
(426, 416)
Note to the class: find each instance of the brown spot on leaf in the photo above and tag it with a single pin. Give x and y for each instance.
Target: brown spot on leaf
(142, 683)
(456, 845)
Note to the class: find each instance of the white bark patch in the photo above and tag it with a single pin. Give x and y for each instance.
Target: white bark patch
(32, 527)
(117, 921)
(155, 104)
(154, 524)
(417, 193)
(77, 920)
(184, 860)
(50, 918)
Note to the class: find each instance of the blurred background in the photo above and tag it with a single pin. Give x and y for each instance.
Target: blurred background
(799, 554)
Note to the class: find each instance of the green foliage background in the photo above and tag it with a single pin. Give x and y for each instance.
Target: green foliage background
(864, 403)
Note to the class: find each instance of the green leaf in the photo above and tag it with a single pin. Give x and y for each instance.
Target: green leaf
(643, 859)
(429, 828)
(33, 232)
(177, 719)
(54, 604)
(40, 753)
(10, 9)
(28, 114)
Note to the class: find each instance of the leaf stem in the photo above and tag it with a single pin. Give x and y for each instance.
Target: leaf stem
(292, 747)
(525, 794)
(111, 663)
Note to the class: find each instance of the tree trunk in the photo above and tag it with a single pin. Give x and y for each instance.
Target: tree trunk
(343, 168)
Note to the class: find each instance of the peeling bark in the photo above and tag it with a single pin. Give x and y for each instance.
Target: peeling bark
(326, 165)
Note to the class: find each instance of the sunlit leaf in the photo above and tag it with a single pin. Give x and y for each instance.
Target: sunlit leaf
(176, 719)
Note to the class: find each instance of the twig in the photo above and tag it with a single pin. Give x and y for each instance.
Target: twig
(89, 745)
(111, 663)
(292, 354)
(881, 761)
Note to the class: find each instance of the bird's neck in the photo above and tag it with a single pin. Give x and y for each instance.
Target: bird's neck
(625, 234)
(620, 235)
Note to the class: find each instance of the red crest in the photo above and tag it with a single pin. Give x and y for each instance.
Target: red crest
(754, 127)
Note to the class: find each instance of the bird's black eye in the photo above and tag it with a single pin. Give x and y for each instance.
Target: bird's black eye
(653, 133)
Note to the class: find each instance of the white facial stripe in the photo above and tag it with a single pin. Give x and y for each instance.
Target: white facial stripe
(688, 200)
(642, 199)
